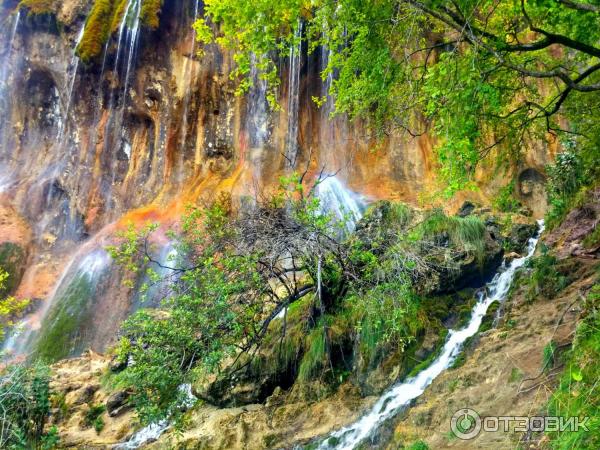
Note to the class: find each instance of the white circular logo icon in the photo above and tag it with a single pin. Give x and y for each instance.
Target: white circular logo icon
(465, 424)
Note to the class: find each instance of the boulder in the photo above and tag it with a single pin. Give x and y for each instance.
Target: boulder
(519, 235)
(118, 403)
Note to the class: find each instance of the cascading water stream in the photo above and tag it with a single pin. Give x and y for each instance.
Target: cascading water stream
(127, 42)
(346, 206)
(153, 431)
(4, 74)
(401, 394)
(258, 119)
(291, 142)
(8, 52)
(78, 282)
(74, 66)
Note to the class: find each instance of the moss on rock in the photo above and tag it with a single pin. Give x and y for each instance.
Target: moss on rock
(40, 7)
(150, 13)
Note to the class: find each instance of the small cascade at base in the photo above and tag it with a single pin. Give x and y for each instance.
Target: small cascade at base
(152, 432)
(399, 396)
(345, 205)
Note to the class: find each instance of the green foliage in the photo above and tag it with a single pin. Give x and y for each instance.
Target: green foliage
(515, 375)
(465, 233)
(10, 307)
(545, 279)
(315, 357)
(11, 260)
(505, 201)
(565, 177)
(577, 393)
(418, 445)
(386, 316)
(25, 406)
(549, 356)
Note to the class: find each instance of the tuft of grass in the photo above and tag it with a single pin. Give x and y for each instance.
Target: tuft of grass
(313, 360)
(549, 356)
(466, 233)
(93, 417)
(515, 375)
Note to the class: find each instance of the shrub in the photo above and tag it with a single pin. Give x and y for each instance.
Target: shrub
(25, 408)
(545, 278)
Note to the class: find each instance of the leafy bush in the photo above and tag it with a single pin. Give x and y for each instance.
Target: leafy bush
(10, 307)
(418, 445)
(25, 408)
(571, 176)
(505, 201)
(545, 278)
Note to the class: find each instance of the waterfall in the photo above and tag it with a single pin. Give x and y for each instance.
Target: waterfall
(71, 299)
(127, 42)
(291, 142)
(345, 205)
(400, 395)
(5, 65)
(74, 66)
(8, 52)
(258, 126)
(168, 256)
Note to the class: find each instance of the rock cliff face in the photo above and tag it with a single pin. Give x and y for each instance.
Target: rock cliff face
(148, 127)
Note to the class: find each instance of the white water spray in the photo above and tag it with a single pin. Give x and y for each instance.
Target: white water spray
(90, 267)
(335, 198)
(11, 40)
(74, 66)
(153, 431)
(400, 395)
